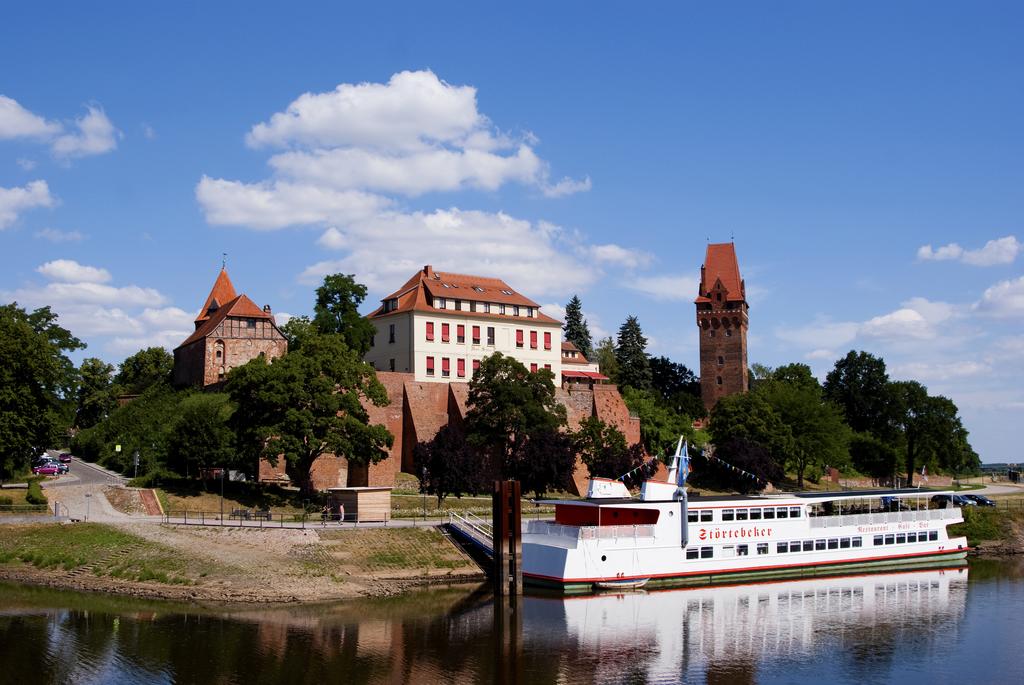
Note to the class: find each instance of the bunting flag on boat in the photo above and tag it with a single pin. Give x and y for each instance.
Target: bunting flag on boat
(733, 469)
(643, 471)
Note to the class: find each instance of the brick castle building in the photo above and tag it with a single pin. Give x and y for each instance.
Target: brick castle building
(230, 330)
(722, 320)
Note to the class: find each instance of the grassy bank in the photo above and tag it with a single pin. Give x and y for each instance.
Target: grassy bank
(992, 528)
(99, 550)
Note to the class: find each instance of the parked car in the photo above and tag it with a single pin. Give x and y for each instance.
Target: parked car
(981, 500)
(894, 504)
(47, 470)
(943, 501)
(64, 457)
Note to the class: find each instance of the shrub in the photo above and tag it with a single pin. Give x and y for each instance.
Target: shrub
(6, 501)
(35, 493)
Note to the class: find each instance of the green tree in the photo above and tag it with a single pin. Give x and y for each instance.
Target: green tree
(306, 404)
(668, 378)
(448, 465)
(660, 426)
(631, 355)
(337, 311)
(576, 330)
(36, 384)
(144, 369)
(201, 436)
(928, 425)
(95, 392)
(858, 384)
(606, 361)
(819, 435)
(296, 331)
(603, 449)
(873, 457)
(510, 407)
(748, 416)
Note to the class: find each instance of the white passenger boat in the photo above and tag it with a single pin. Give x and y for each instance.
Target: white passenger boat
(665, 538)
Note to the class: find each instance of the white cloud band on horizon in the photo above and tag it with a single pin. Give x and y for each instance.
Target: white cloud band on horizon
(999, 251)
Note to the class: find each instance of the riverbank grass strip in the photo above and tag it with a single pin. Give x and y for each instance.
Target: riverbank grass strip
(100, 550)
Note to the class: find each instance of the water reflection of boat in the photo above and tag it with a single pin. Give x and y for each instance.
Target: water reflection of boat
(673, 631)
(664, 538)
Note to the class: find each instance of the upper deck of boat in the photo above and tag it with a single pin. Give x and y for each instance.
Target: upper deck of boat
(764, 500)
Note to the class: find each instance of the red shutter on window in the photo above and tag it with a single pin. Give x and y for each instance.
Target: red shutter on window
(519, 338)
(547, 366)
(460, 333)
(445, 333)
(430, 330)
(476, 364)
(533, 340)
(533, 368)
(476, 335)
(461, 366)
(445, 364)
(547, 340)
(430, 365)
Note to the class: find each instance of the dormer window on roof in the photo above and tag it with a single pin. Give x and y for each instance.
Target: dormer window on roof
(507, 292)
(478, 288)
(390, 305)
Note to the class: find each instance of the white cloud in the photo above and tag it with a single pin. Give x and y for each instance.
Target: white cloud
(554, 310)
(821, 353)
(567, 186)
(13, 201)
(999, 251)
(281, 318)
(57, 294)
(388, 248)
(95, 136)
(617, 255)
(167, 317)
(823, 332)
(333, 239)
(902, 323)
(277, 204)
(168, 339)
(70, 271)
(940, 370)
(1004, 299)
(412, 111)
(148, 132)
(55, 236)
(26, 164)
(412, 173)
(678, 288)
(18, 122)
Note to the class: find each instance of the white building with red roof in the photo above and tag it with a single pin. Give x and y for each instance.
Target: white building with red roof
(438, 326)
(230, 330)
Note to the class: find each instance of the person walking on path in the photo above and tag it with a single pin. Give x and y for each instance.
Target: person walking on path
(324, 513)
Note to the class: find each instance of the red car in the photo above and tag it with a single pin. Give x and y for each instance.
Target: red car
(65, 457)
(46, 470)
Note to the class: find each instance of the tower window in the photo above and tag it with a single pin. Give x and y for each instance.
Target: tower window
(718, 297)
(719, 380)
(721, 360)
(728, 332)
(711, 334)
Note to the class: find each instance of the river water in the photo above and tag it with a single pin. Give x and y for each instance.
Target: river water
(953, 626)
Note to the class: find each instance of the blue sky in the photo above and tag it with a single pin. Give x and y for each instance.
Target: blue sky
(588, 149)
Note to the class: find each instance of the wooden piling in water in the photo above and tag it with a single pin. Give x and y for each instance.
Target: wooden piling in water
(506, 512)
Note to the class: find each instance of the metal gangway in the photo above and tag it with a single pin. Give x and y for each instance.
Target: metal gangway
(472, 530)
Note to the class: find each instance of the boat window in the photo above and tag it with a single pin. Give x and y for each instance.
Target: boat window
(762, 548)
(911, 537)
(741, 550)
(769, 513)
(781, 512)
(794, 546)
(692, 553)
(808, 545)
(782, 547)
(794, 512)
(833, 543)
(706, 515)
(878, 539)
(856, 542)
(844, 543)
(819, 544)
(901, 538)
(691, 516)
(728, 514)
(890, 539)
(933, 535)
(755, 514)
(706, 552)
(741, 514)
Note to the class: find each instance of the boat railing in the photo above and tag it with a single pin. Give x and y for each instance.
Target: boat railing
(589, 532)
(838, 520)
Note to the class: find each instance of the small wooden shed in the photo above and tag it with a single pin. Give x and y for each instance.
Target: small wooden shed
(361, 504)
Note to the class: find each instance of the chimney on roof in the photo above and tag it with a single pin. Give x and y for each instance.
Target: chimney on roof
(428, 271)
(266, 309)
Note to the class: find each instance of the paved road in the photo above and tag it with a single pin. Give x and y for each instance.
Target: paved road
(80, 492)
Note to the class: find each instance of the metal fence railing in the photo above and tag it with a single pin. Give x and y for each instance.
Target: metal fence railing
(245, 518)
(24, 508)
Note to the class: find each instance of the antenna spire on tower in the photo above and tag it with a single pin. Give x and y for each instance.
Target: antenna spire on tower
(223, 260)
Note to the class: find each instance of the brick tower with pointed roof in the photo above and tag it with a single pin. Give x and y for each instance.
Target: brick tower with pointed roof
(230, 331)
(722, 321)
